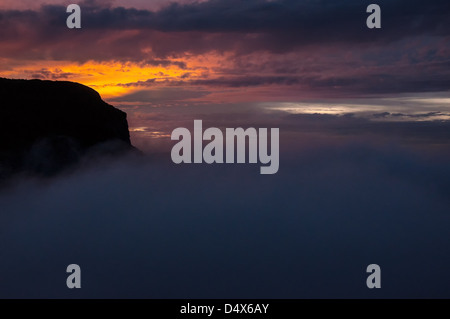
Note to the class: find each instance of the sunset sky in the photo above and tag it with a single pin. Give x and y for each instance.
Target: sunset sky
(158, 57)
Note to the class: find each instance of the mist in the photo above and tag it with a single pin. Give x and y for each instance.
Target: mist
(143, 227)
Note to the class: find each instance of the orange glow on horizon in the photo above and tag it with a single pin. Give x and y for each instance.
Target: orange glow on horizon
(110, 78)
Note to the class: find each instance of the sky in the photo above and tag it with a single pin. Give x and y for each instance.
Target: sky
(364, 119)
(282, 55)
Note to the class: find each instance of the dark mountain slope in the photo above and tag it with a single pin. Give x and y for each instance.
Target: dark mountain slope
(46, 126)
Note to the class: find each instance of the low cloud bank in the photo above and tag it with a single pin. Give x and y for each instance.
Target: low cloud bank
(147, 228)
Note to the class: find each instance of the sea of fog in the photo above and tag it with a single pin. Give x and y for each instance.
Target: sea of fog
(143, 227)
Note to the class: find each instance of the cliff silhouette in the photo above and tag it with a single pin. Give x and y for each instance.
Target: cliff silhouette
(47, 126)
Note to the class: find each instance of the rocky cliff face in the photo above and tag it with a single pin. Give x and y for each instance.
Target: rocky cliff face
(46, 126)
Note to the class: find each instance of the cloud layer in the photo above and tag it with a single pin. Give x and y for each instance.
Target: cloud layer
(156, 230)
(313, 46)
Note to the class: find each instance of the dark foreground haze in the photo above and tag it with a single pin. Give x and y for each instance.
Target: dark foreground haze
(146, 228)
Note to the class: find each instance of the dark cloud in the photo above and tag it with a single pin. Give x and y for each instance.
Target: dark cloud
(331, 85)
(163, 63)
(321, 46)
(46, 74)
(342, 84)
(419, 115)
(242, 81)
(161, 95)
(274, 25)
(149, 82)
(307, 20)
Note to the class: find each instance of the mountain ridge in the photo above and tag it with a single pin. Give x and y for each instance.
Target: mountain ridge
(46, 126)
